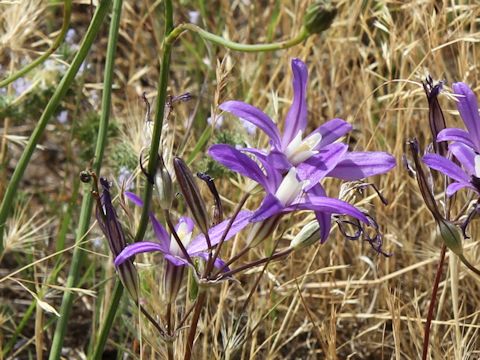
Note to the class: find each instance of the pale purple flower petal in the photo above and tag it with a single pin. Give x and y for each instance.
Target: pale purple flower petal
(296, 119)
(329, 205)
(176, 260)
(324, 218)
(318, 166)
(465, 155)
(134, 198)
(454, 187)
(359, 165)
(270, 206)
(216, 232)
(454, 134)
(137, 248)
(446, 167)
(160, 233)
(468, 107)
(238, 162)
(331, 131)
(255, 116)
(219, 263)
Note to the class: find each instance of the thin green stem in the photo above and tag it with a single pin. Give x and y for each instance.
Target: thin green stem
(67, 14)
(177, 32)
(86, 209)
(25, 321)
(108, 321)
(158, 121)
(50, 109)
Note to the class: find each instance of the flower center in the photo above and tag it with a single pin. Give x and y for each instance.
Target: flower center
(185, 235)
(290, 188)
(477, 166)
(300, 150)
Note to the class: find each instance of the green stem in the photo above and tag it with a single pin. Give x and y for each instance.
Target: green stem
(301, 36)
(87, 202)
(108, 321)
(25, 321)
(67, 14)
(50, 109)
(158, 121)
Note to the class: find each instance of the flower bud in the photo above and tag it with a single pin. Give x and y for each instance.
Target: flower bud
(319, 17)
(191, 193)
(450, 236)
(163, 184)
(309, 235)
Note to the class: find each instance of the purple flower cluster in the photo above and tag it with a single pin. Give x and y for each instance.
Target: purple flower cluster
(292, 167)
(464, 145)
(290, 171)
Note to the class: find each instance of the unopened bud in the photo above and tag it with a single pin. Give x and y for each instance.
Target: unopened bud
(163, 184)
(319, 17)
(451, 236)
(309, 235)
(191, 193)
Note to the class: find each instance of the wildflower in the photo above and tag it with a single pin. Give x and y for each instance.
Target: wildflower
(107, 219)
(284, 193)
(62, 117)
(315, 155)
(195, 246)
(466, 177)
(468, 108)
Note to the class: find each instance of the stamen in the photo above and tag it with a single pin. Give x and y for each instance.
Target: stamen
(300, 150)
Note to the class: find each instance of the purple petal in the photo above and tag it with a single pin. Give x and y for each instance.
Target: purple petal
(296, 119)
(134, 198)
(275, 164)
(270, 206)
(324, 218)
(219, 263)
(188, 221)
(137, 248)
(454, 187)
(332, 130)
(359, 165)
(468, 108)
(255, 116)
(446, 167)
(319, 165)
(216, 232)
(465, 155)
(329, 205)
(175, 260)
(160, 233)
(454, 134)
(235, 160)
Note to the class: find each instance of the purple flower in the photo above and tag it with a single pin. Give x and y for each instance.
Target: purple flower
(285, 193)
(468, 108)
(467, 176)
(196, 246)
(315, 155)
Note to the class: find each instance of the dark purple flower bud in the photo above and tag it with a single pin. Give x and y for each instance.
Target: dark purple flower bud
(436, 118)
(191, 193)
(448, 231)
(218, 212)
(107, 219)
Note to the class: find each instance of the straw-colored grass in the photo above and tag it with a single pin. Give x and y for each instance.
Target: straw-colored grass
(340, 300)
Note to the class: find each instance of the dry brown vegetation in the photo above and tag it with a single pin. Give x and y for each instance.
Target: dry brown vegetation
(340, 300)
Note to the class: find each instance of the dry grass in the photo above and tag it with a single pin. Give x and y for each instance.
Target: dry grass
(336, 301)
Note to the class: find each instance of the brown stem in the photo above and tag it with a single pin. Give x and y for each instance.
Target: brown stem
(256, 263)
(152, 321)
(235, 258)
(426, 338)
(193, 325)
(224, 235)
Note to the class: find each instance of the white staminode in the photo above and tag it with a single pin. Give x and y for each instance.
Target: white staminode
(477, 166)
(300, 150)
(290, 188)
(185, 236)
